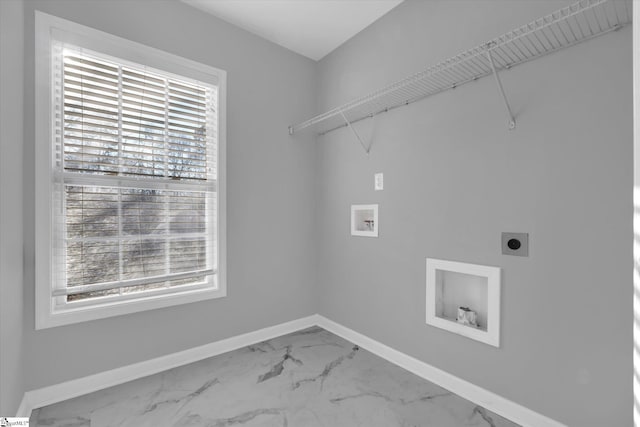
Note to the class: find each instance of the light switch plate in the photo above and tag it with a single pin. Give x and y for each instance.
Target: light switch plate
(378, 181)
(516, 244)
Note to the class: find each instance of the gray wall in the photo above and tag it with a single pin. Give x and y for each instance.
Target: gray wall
(270, 208)
(11, 70)
(455, 178)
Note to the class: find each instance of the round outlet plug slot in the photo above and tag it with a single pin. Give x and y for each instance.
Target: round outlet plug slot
(514, 244)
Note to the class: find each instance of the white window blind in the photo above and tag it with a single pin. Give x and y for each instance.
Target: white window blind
(135, 179)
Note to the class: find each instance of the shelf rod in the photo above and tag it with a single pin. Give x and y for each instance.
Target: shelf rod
(512, 120)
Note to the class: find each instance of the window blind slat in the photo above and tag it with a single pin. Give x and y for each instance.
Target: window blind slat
(85, 116)
(144, 76)
(85, 86)
(133, 90)
(199, 117)
(137, 119)
(80, 71)
(90, 132)
(185, 92)
(79, 109)
(178, 99)
(79, 78)
(81, 103)
(178, 120)
(88, 92)
(71, 178)
(107, 239)
(132, 282)
(90, 146)
(192, 104)
(93, 63)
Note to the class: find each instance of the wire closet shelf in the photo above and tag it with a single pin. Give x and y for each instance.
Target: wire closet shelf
(566, 27)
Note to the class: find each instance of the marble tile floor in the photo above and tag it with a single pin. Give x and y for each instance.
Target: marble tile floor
(310, 378)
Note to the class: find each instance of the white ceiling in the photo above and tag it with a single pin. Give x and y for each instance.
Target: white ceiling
(312, 28)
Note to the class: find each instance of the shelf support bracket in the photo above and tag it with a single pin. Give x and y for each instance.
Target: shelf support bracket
(366, 147)
(512, 120)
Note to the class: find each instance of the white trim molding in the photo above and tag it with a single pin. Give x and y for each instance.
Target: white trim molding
(68, 390)
(478, 395)
(59, 392)
(636, 211)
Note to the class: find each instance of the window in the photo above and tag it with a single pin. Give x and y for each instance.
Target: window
(129, 176)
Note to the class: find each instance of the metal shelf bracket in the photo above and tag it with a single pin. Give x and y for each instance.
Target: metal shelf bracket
(512, 120)
(365, 147)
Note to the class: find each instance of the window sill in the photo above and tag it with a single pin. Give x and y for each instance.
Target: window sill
(50, 318)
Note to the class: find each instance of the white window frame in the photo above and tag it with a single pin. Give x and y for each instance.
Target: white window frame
(47, 29)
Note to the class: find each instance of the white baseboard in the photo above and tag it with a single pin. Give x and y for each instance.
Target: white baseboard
(67, 390)
(488, 400)
(59, 392)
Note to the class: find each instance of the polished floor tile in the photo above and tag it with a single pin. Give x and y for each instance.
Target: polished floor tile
(311, 378)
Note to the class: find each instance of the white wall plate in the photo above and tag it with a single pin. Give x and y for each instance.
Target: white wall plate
(364, 220)
(451, 285)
